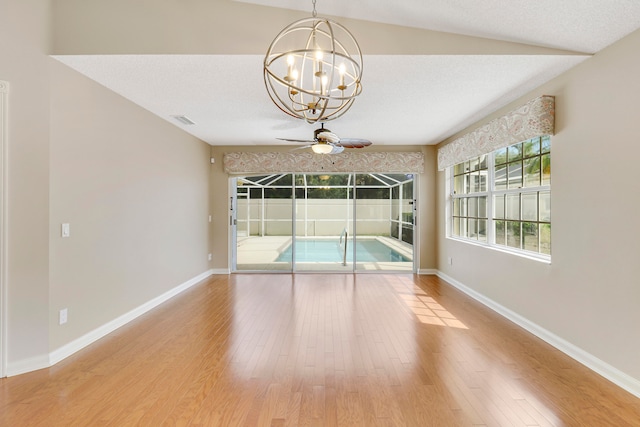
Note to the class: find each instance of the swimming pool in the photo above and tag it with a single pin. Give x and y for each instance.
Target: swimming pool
(328, 250)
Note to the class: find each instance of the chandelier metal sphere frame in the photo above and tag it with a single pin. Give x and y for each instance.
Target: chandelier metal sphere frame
(313, 69)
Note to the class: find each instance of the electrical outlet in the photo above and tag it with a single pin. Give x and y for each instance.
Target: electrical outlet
(210, 257)
(63, 316)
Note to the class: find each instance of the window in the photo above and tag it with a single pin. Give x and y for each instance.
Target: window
(503, 198)
(470, 200)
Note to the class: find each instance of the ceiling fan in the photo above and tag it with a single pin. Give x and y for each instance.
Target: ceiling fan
(326, 142)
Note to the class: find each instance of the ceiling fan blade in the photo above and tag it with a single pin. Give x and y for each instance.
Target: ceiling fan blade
(303, 147)
(298, 140)
(354, 142)
(337, 149)
(329, 136)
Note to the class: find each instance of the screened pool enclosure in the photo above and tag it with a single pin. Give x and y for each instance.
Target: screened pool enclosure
(323, 222)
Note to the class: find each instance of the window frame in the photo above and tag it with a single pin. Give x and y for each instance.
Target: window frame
(491, 193)
(467, 195)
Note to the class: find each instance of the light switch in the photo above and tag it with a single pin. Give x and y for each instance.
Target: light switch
(66, 231)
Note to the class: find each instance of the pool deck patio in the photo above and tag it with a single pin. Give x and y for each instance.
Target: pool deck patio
(257, 253)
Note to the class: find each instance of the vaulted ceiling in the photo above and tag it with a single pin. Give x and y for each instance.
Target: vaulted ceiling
(431, 67)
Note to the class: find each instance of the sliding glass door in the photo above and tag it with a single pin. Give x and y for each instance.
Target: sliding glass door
(323, 222)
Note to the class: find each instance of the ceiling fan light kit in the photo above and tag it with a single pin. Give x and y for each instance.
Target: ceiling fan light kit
(326, 142)
(313, 69)
(322, 148)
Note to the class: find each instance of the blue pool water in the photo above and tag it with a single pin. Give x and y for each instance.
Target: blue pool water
(329, 251)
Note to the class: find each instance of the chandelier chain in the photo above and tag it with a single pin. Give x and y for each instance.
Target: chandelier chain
(314, 13)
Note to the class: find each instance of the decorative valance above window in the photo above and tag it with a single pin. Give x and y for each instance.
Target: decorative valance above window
(392, 162)
(535, 118)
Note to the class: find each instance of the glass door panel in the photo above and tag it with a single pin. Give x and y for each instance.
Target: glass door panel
(264, 223)
(323, 214)
(384, 222)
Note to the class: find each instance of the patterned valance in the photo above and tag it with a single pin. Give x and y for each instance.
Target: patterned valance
(535, 118)
(246, 163)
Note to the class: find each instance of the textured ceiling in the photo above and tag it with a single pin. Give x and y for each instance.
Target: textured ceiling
(406, 99)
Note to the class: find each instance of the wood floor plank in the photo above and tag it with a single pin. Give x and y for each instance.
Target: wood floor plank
(318, 350)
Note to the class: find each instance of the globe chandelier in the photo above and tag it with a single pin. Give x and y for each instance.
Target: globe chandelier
(313, 69)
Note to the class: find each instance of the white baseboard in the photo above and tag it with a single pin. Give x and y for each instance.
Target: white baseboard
(27, 365)
(90, 337)
(220, 271)
(428, 271)
(630, 384)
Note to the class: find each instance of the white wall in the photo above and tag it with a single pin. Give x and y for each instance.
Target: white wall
(589, 294)
(318, 217)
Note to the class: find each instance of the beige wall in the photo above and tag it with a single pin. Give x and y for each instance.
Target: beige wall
(589, 294)
(428, 225)
(134, 189)
(426, 186)
(233, 27)
(24, 34)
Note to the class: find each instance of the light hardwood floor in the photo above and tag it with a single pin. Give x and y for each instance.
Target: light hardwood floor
(318, 350)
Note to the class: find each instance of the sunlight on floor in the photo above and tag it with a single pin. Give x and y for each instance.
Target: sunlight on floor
(425, 308)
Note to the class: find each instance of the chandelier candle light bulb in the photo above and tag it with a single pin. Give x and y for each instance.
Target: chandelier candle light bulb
(313, 69)
(319, 56)
(290, 70)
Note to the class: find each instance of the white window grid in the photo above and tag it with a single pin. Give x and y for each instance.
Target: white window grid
(491, 193)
